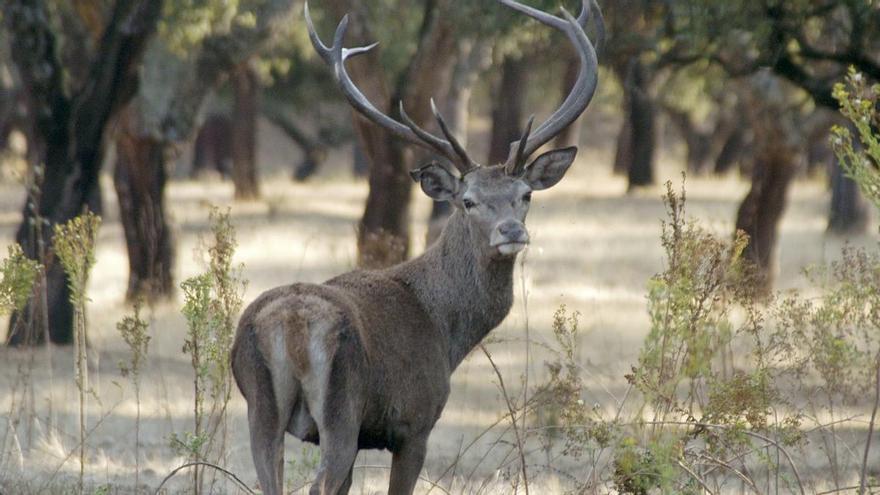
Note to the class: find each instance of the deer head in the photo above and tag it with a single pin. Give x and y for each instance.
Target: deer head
(494, 199)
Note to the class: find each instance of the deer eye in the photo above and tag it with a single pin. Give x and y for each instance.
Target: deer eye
(468, 204)
(527, 197)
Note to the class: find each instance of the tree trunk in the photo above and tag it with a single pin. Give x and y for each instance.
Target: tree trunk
(314, 152)
(732, 151)
(383, 232)
(70, 132)
(623, 152)
(245, 88)
(759, 214)
(507, 108)
(697, 142)
(642, 120)
(139, 178)
(360, 163)
(848, 213)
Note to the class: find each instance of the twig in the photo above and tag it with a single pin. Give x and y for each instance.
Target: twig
(863, 478)
(726, 465)
(70, 454)
(695, 476)
(845, 488)
(525, 392)
(228, 473)
(749, 433)
(433, 484)
(516, 433)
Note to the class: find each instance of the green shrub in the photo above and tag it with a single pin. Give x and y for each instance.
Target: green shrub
(212, 301)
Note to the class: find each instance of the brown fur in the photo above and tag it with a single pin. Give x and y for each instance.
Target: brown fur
(364, 360)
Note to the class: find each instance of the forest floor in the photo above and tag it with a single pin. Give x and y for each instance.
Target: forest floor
(593, 249)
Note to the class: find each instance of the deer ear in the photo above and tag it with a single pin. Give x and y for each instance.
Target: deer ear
(549, 168)
(437, 182)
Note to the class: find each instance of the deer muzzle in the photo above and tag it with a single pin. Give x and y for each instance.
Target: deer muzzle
(510, 237)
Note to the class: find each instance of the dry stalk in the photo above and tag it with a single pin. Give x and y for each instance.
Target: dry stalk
(196, 464)
(863, 477)
(513, 418)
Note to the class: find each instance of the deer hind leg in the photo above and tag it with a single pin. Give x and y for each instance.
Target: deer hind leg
(267, 444)
(338, 452)
(255, 382)
(406, 464)
(339, 422)
(271, 390)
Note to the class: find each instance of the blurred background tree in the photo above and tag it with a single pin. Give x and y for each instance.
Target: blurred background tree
(201, 44)
(741, 86)
(77, 65)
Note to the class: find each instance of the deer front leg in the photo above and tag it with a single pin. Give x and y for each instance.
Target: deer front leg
(406, 464)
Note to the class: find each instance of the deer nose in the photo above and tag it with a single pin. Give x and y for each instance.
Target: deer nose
(513, 231)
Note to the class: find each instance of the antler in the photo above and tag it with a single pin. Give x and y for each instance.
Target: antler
(584, 88)
(335, 56)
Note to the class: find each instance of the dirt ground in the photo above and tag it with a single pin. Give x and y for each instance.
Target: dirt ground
(593, 249)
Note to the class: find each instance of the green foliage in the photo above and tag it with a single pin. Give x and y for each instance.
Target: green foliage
(17, 276)
(638, 470)
(134, 332)
(74, 244)
(561, 397)
(860, 103)
(185, 24)
(212, 301)
(838, 333)
(689, 307)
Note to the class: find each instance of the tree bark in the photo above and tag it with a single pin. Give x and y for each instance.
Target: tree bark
(383, 232)
(245, 88)
(314, 152)
(212, 150)
(642, 126)
(70, 131)
(697, 142)
(759, 214)
(623, 151)
(732, 151)
(775, 164)
(848, 213)
(507, 108)
(139, 177)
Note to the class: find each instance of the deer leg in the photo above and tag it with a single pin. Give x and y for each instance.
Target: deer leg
(406, 464)
(267, 444)
(338, 452)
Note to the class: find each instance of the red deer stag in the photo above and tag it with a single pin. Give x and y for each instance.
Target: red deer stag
(363, 360)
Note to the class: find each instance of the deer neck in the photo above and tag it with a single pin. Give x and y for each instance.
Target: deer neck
(464, 290)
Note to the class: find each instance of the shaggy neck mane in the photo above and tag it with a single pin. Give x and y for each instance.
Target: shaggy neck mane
(465, 292)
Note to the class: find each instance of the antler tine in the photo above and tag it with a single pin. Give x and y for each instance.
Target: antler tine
(585, 87)
(456, 146)
(516, 166)
(436, 143)
(588, 7)
(335, 56)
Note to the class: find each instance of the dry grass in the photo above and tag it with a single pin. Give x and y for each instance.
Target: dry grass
(593, 249)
